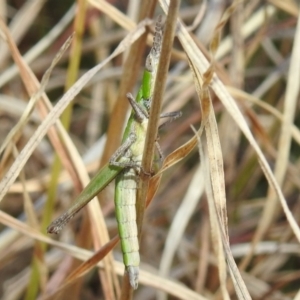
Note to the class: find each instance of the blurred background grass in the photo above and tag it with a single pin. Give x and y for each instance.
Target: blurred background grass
(256, 61)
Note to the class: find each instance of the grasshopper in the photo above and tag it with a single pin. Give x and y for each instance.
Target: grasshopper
(129, 156)
(125, 166)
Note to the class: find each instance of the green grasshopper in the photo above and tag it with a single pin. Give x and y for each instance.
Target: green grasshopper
(125, 165)
(129, 156)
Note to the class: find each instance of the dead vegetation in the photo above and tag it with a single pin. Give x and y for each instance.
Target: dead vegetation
(223, 223)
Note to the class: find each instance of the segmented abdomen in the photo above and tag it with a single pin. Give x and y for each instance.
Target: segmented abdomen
(125, 199)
